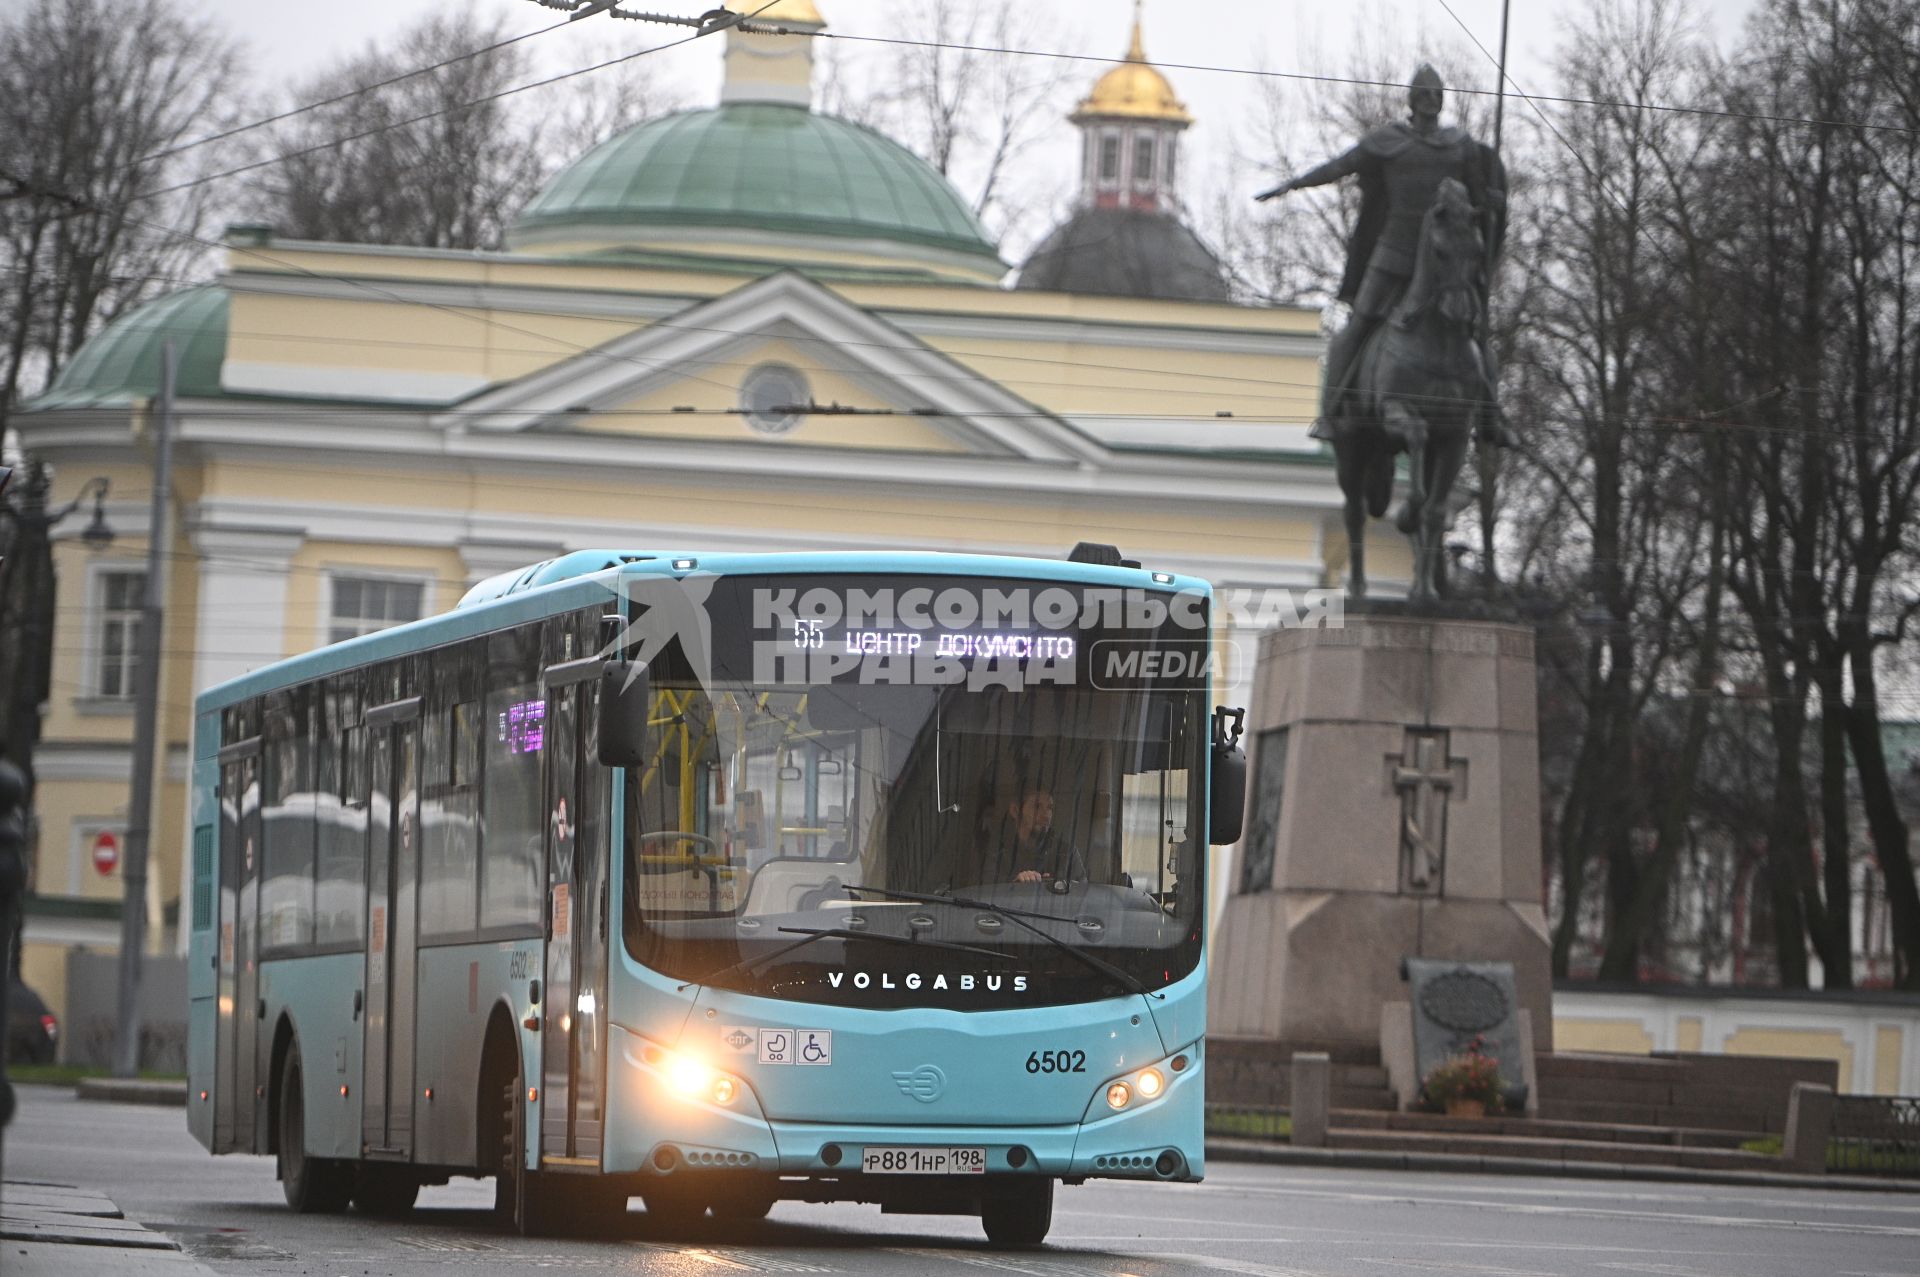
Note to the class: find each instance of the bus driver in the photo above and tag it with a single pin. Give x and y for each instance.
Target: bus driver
(1026, 848)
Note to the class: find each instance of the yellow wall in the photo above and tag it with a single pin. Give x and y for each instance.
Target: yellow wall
(313, 561)
(1803, 1044)
(1887, 1043)
(1620, 1037)
(714, 388)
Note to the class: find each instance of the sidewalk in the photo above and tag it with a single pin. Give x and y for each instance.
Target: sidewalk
(1224, 1149)
(53, 1230)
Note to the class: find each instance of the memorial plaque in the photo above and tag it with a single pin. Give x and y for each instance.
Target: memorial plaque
(1456, 1002)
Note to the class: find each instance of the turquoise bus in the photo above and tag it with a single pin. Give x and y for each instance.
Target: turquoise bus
(720, 880)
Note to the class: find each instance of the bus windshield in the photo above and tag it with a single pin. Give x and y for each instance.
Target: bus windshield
(917, 845)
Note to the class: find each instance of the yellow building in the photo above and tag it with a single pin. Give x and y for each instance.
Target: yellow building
(750, 326)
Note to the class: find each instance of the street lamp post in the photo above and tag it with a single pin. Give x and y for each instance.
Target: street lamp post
(146, 716)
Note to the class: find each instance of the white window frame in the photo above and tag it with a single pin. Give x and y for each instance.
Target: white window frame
(1118, 181)
(1152, 144)
(94, 648)
(336, 572)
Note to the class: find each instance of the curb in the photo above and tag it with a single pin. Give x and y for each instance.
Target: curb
(1467, 1163)
(115, 1090)
(56, 1230)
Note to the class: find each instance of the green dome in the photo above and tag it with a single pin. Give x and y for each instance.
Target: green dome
(121, 362)
(756, 166)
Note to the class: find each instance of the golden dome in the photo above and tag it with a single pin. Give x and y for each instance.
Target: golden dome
(797, 12)
(1133, 90)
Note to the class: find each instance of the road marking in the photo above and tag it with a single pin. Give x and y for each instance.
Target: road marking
(1566, 1188)
(1398, 1198)
(1399, 1263)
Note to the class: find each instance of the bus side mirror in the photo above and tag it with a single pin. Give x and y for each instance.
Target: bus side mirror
(1226, 777)
(625, 704)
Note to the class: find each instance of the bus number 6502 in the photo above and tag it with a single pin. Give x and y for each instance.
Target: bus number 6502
(1057, 1062)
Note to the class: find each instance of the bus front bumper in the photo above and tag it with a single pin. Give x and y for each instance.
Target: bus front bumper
(663, 1124)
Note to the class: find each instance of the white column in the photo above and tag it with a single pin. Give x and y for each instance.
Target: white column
(243, 600)
(240, 625)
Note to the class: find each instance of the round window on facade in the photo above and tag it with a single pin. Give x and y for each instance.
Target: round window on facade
(772, 395)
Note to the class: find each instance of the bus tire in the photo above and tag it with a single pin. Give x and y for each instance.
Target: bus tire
(384, 1190)
(674, 1202)
(1019, 1219)
(313, 1185)
(744, 1203)
(524, 1200)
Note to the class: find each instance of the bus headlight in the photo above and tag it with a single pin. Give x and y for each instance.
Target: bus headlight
(695, 1080)
(1142, 1086)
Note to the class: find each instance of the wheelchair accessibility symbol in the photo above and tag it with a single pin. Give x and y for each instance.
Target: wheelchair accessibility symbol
(816, 1046)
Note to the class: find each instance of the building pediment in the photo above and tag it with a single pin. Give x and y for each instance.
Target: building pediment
(700, 373)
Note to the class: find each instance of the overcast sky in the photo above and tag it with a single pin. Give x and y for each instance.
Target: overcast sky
(289, 43)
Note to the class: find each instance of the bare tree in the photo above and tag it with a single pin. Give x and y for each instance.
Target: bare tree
(93, 99)
(577, 113)
(1819, 289)
(426, 161)
(973, 115)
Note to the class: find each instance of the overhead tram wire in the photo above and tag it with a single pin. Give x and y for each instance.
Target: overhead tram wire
(436, 114)
(1706, 420)
(1670, 108)
(337, 98)
(995, 49)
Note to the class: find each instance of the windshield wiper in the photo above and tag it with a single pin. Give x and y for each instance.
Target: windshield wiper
(809, 934)
(889, 893)
(1126, 978)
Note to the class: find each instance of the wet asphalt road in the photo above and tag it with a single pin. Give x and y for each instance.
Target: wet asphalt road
(1263, 1221)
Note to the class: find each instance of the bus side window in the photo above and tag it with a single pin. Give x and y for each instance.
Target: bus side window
(513, 805)
(340, 816)
(287, 822)
(449, 814)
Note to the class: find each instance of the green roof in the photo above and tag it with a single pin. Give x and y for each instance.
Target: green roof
(121, 362)
(759, 166)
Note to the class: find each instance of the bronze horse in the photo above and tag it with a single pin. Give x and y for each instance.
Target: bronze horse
(1418, 386)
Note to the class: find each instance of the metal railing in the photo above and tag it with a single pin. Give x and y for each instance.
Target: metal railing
(1875, 1135)
(1249, 1121)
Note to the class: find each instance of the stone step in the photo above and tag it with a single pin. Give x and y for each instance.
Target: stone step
(1515, 1124)
(1551, 1150)
(1356, 1100)
(1751, 1119)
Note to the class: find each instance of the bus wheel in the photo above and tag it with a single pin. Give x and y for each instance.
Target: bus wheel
(522, 1199)
(674, 1202)
(313, 1185)
(1021, 1218)
(742, 1203)
(388, 1191)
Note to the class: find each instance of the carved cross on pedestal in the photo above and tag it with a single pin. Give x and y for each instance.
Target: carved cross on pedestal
(1425, 778)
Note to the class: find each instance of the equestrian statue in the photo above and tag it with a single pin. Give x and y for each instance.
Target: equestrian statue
(1411, 371)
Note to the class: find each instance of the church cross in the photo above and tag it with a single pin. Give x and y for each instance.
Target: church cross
(1425, 778)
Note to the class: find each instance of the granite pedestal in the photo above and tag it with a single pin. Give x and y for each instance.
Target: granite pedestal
(1394, 811)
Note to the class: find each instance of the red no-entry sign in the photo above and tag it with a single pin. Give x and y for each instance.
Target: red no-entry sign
(106, 852)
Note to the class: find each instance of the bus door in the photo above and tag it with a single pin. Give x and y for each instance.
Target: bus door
(239, 1115)
(574, 1047)
(393, 850)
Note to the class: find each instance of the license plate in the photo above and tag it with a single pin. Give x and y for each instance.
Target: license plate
(880, 1159)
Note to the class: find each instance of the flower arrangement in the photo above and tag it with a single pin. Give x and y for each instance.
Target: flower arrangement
(1466, 1083)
